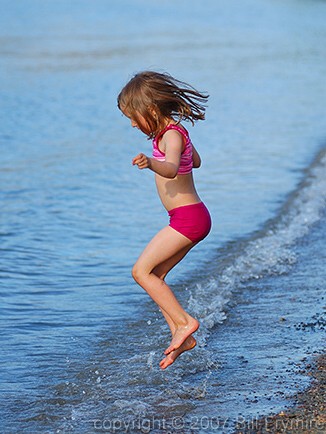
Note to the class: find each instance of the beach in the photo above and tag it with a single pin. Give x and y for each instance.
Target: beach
(305, 411)
(81, 342)
(307, 416)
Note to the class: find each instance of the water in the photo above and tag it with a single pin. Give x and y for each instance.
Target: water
(80, 341)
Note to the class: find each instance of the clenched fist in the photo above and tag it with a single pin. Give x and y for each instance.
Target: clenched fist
(142, 161)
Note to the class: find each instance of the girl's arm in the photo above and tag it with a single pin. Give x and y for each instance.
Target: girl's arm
(172, 144)
(195, 158)
(164, 168)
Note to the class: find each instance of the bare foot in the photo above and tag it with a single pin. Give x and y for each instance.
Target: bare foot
(181, 334)
(188, 344)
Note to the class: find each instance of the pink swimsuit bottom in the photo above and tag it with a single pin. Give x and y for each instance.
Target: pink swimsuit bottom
(193, 221)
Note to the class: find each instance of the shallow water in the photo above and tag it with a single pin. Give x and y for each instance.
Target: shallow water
(80, 341)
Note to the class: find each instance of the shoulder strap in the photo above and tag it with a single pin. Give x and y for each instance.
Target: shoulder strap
(182, 131)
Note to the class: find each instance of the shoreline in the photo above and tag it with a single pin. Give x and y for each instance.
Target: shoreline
(306, 416)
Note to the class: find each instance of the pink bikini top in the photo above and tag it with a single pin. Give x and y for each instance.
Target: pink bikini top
(186, 163)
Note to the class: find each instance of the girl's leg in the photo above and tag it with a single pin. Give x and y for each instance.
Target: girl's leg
(161, 271)
(167, 244)
(187, 345)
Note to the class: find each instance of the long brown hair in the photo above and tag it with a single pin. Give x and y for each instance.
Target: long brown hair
(158, 97)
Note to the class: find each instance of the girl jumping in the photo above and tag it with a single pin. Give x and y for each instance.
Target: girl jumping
(156, 103)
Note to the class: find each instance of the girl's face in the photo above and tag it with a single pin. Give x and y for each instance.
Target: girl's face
(137, 121)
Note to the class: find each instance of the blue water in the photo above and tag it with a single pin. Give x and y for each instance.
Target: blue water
(80, 342)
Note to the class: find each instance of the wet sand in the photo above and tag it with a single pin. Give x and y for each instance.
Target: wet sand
(306, 416)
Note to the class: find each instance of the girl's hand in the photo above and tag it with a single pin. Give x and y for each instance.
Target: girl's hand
(142, 161)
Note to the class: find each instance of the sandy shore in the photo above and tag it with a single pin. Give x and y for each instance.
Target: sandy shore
(307, 416)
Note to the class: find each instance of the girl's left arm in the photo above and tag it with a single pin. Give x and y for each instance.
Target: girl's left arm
(172, 143)
(167, 169)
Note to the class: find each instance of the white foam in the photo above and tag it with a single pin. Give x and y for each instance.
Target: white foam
(267, 253)
(271, 251)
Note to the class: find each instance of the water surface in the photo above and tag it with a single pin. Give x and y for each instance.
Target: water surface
(80, 341)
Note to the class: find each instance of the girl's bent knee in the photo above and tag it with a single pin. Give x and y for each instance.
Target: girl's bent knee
(137, 273)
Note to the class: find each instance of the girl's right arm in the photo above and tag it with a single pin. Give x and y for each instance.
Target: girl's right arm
(196, 160)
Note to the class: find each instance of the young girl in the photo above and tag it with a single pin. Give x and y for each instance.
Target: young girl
(156, 104)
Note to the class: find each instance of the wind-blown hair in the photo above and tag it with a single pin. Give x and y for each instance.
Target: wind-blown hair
(158, 96)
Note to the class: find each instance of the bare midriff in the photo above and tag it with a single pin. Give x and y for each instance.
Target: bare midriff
(179, 191)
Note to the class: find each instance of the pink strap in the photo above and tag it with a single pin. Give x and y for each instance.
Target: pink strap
(172, 127)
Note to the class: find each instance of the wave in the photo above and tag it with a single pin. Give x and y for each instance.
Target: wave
(123, 389)
(269, 251)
